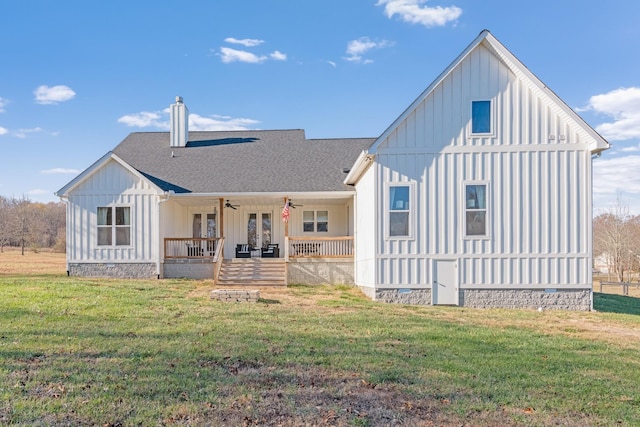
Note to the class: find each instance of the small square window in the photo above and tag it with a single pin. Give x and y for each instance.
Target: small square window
(315, 221)
(110, 230)
(480, 116)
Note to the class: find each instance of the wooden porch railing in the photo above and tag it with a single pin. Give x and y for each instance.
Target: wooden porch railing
(319, 247)
(217, 259)
(190, 247)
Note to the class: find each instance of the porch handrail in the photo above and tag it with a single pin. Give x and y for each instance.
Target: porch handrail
(190, 247)
(217, 259)
(319, 247)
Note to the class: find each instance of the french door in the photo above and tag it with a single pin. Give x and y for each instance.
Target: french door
(208, 229)
(259, 229)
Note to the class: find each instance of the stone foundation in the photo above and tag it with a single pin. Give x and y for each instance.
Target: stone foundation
(114, 270)
(404, 296)
(320, 271)
(179, 268)
(545, 299)
(235, 295)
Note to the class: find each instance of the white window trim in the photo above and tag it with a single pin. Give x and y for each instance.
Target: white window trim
(412, 209)
(492, 119)
(488, 209)
(113, 227)
(315, 221)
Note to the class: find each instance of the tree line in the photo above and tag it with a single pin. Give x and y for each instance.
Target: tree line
(616, 243)
(28, 224)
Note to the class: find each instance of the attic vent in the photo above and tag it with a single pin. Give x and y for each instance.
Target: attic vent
(346, 170)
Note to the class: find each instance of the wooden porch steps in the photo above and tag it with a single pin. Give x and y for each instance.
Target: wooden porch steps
(253, 272)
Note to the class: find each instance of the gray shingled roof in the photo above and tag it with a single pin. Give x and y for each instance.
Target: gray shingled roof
(243, 161)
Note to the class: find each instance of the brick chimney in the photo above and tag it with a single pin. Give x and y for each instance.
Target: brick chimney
(179, 127)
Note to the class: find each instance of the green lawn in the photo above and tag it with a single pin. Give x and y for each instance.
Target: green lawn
(115, 352)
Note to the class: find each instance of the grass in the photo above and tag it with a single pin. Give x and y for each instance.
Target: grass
(79, 351)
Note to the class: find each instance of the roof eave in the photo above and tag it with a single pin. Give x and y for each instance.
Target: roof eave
(97, 165)
(362, 163)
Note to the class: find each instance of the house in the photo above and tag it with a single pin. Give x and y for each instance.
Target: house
(478, 195)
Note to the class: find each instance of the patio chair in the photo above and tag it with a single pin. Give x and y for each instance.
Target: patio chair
(271, 251)
(194, 251)
(243, 251)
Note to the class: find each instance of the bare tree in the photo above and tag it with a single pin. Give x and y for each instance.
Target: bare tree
(5, 226)
(616, 235)
(22, 220)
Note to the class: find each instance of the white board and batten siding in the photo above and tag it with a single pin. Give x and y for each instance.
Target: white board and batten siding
(112, 185)
(365, 242)
(536, 164)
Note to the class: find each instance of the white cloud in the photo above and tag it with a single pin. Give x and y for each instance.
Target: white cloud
(38, 192)
(144, 119)
(623, 105)
(213, 123)
(615, 176)
(278, 56)
(244, 42)
(3, 103)
(54, 94)
(61, 171)
(22, 133)
(414, 12)
(357, 48)
(3, 131)
(197, 122)
(632, 149)
(333, 64)
(229, 55)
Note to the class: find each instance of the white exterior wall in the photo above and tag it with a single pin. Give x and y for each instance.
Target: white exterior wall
(366, 219)
(539, 203)
(112, 185)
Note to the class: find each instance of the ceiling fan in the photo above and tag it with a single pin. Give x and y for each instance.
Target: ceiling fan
(229, 205)
(292, 205)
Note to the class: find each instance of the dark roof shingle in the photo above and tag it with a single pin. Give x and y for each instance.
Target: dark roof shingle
(243, 161)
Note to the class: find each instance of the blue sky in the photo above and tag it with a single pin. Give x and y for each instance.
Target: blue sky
(77, 76)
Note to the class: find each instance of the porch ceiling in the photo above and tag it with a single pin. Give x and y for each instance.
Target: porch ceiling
(267, 199)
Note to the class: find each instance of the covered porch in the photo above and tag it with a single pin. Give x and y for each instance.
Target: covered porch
(200, 233)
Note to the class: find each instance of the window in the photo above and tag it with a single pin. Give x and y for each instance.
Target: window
(476, 210)
(114, 225)
(317, 221)
(399, 210)
(480, 116)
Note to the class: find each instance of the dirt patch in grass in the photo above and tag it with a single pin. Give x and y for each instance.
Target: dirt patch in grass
(297, 396)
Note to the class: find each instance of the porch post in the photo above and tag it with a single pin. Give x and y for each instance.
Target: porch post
(286, 240)
(286, 224)
(222, 223)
